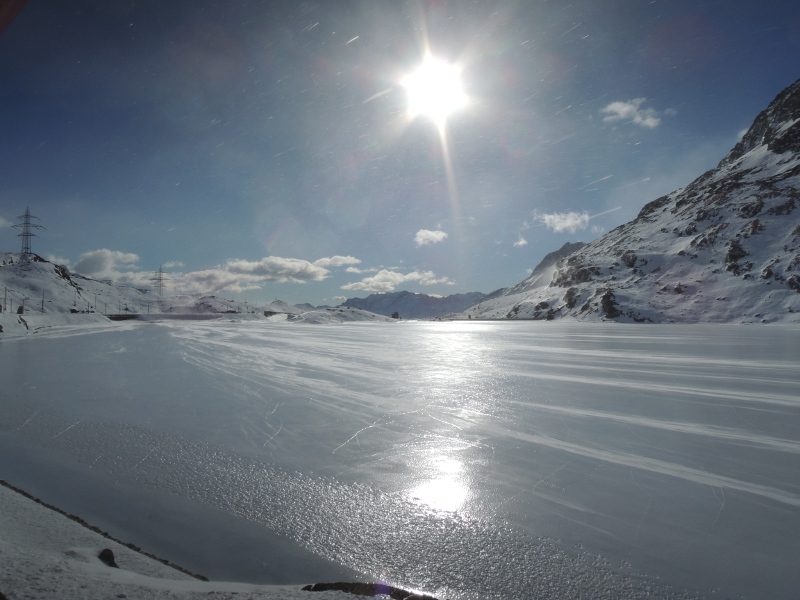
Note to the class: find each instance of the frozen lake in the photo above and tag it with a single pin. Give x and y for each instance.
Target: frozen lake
(467, 460)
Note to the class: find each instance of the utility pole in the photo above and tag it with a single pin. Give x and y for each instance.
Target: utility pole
(26, 227)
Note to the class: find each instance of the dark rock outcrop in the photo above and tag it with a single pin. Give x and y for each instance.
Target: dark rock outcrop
(367, 589)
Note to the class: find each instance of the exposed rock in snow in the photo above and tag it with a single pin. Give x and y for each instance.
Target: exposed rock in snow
(724, 249)
(542, 275)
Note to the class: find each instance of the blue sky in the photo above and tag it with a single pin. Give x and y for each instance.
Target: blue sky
(265, 149)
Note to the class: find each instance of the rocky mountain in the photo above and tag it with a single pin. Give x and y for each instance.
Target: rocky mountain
(543, 273)
(724, 249)
(410, 305)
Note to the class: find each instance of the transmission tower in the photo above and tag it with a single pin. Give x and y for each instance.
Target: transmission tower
(26, 227)
(159, 280)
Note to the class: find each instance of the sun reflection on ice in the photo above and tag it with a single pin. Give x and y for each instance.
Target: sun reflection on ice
(445, 489)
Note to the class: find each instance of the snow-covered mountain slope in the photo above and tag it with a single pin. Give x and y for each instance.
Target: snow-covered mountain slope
(724, 249)
(49, 295)
(543, 273)
(410, 305)
(39, 286)
(42, 287)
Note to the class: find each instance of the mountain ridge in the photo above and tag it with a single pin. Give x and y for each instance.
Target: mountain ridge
(726, 248)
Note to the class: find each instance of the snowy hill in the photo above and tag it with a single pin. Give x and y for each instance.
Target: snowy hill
(724, 249)
(42, 287)
(39, 286)
(44, 294)
(410, 305)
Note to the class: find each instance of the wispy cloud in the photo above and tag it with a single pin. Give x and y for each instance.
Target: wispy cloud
(277, 268)
(520, 242)
(238, 275)
(173, 264)
(632, 111)
(359, 271)
(568, 221)
(214, 281)
(336, 261)
(426, 236)
(4, 222)
(235, 276)
(388, 281)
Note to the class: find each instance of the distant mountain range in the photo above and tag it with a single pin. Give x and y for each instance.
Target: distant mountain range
(726, 248)
(409, 305)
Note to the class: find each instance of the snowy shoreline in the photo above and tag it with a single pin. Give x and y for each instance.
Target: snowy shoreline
(49, 554)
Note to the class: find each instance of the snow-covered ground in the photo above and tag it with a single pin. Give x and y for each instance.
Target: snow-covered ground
(46, 555)
(467, 460)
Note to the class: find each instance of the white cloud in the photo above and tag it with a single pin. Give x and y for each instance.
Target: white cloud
(358, 271)
(337, 261)
(214, 281)
(276, 268)
(58, 260)
(569, 221)
(104, 263)
(520, 242)
(234, 276)
(238, 275)
(4, 223)
(172, 264)
(425, 237)
(632, 111)
(387, 281)
(114, 265)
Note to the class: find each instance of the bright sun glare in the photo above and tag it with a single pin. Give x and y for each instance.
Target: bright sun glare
(434, 90)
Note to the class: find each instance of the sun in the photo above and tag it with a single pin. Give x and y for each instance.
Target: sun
(434, 90)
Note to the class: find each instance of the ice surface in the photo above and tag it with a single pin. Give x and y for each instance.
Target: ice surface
(469, 460)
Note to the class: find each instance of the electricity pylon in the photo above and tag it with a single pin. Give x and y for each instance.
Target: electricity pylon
(26, 227)
(159, 280)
